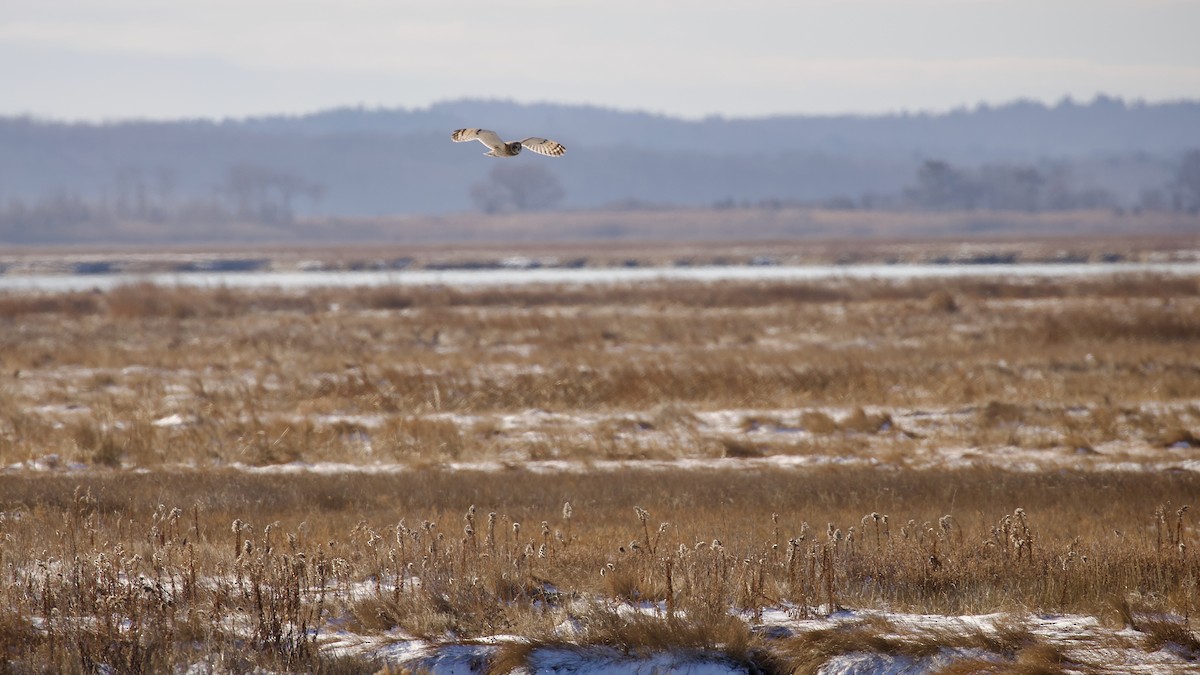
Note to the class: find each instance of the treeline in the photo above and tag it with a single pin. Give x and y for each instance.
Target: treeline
(146, 204)
(62, 182)
(246, 194)
(1008, 187)
(938, 185)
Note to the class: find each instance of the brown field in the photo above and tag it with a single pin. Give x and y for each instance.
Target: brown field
(631, 228)
(671, 237)
(228, 477)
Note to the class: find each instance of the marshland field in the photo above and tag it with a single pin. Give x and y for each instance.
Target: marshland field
(991, 473)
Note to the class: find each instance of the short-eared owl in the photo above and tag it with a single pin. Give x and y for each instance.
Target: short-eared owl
(499, 148)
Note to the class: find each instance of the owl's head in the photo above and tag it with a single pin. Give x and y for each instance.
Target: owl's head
(514, 148)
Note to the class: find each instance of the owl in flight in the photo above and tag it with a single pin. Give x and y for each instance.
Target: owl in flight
(499, 148)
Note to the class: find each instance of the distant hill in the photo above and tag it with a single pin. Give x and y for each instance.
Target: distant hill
(1022, 130)
(368, 162)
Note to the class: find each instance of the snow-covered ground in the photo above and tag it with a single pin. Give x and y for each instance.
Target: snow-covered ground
(887, 644)
(502, 276)
(910, 438)
(817, 640)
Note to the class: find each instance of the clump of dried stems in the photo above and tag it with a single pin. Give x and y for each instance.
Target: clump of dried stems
(100, 573)
(187, 561)
(146, 376)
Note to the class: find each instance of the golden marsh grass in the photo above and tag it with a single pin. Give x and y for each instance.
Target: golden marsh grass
(133, 568)
(961, 446)
(431, 374)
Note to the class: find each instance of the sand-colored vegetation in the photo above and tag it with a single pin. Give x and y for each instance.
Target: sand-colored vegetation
(233, 477)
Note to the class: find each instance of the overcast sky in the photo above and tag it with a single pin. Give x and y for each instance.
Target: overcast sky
(109, 59)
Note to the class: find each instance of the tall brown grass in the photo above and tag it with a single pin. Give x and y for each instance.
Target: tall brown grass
(263, 376)
(134, 541)
(134, 571)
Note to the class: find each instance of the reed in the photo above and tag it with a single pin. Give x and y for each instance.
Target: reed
(147, 523)
(267, 376)
(129, 570)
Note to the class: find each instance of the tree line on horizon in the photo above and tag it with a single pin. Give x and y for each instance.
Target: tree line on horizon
(256, 195)
(60, 181)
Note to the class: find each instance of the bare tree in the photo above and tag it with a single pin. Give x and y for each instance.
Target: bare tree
(1186, 188)
(523, 187)
(941, 186)
(263, 194)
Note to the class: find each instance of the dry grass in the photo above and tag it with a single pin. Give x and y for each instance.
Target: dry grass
(687, 235)
(133, 569)
(1011, 648)
(430, 374)
(129, 569)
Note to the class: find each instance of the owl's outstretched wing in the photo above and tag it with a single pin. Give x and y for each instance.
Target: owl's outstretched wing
(488, 138)
(544, 146)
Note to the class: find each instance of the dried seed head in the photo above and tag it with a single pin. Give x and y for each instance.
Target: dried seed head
(567, 511)
(642, 514)
(662, 527)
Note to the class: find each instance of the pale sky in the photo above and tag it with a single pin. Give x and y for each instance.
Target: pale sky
(113, 59)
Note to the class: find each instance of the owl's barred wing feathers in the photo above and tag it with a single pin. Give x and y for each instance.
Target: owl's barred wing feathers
(544, 146)
(488, 138)
(499, 148)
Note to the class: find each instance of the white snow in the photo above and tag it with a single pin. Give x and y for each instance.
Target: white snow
(175, 420)
(1081, 640)
(299, 280)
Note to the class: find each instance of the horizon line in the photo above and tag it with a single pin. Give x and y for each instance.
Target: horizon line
(979, 106)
